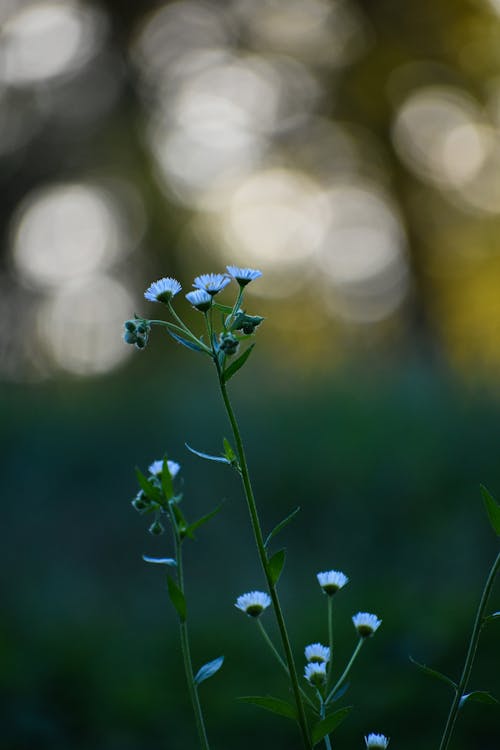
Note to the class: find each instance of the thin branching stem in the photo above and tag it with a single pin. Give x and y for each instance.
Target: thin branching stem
(259, 540)
(185, 648)
(346, 671)
(322, 714)
(469, 659)
(330, 639)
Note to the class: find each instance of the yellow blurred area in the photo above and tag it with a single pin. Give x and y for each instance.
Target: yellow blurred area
(316, 140)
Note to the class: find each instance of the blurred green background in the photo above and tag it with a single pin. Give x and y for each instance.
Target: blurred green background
(351, 150)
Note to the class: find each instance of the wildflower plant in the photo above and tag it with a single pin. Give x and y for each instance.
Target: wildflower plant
(226, 339)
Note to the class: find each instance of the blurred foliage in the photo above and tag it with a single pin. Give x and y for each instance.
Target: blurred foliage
(386, 472)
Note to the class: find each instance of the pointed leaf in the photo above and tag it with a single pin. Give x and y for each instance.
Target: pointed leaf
(275, 565)
(281, 525)
(434, 673)
(208, 669)
(493, 509)
(207, 456)
(478, 696)
(160, 560)
(185, 342)
(196, 525)
(493, 616)
(149, 489)
(177, 598)
(223, 308)
(328, 724)
(166, 480)
(228, 450)
(275, 705)
(340, 692)
(235, 366)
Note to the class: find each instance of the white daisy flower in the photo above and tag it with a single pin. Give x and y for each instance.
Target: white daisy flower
(331, 581)
(200, 299)
(211, 282)
(317, 653)
(315, 674)
(156, 468)
(162, 290)
(253, 603)
(243, 275)
(379, 741)
(366, 624)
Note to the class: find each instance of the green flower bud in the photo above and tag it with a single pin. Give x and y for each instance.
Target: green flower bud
(229, 343)
(156, 528)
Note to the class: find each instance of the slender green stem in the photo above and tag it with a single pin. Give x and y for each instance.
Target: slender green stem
(330, 639)
(185, 648)
(346, 671)
(281, 662)
(259, 540)
(469, 659)
(322, 714)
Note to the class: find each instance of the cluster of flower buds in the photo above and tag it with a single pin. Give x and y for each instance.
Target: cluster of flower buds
(246, 323)
(228, 343)
(142, 503)
(137, 332)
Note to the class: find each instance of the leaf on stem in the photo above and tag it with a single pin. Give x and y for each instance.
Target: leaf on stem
(188, 344)
(434, 673)
(275, 705)
(237, 364)
(340, 692)
(281, 525)
(275, 565)
(328, 724)
(223, 308)
(208, 670)
(149, 489)
(493, 616)
(229, 452)
(493, 509)
(208, 456)
(479, 696)
(177, 598)
(196, 524)
(160, 560)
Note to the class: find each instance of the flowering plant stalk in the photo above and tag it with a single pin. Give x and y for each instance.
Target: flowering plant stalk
(226, 329)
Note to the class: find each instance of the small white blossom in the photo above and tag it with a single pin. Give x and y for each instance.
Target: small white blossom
(162, 290)
(156, 468)
(317, 653)
(200, 299)
(315, 673)
(253, 603)
(211, 282)
(379, 741)
(243, 275)
(331, 581)
(366, 624)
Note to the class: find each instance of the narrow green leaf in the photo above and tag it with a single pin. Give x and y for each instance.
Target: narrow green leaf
(328, 724)
(434, 673)
(493, 616)
(188, 344)
(160, 560)
(177, 598)
(223, 308)
(166, 480)
(281, 525)
(208, 670)
(196, 525)
(228, 451)
(478, 696)
(151, 492)
(237, 364)
(275, 705)
(275, 565)
(207, 456)
(340, 692)
(493, 510)
(180, 521)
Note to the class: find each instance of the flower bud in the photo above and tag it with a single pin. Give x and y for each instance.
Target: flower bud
(156, 528)
(229, 344)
